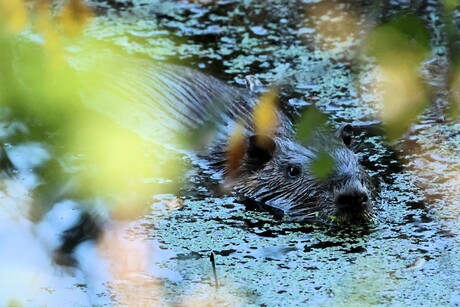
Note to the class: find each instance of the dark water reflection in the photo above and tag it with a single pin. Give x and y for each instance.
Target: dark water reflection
(411, 254)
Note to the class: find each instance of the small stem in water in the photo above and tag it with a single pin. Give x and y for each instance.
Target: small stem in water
(213, 262)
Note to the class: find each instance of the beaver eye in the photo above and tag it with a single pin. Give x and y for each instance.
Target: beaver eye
(294, 171)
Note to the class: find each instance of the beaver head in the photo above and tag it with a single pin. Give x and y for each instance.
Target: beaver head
(278, 172)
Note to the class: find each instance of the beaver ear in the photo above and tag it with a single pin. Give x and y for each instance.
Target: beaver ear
(260, 150)
(345, 133)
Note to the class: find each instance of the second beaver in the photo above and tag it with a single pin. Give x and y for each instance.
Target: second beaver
(273, 167)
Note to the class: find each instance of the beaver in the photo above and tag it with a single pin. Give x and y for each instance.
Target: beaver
(273, 169)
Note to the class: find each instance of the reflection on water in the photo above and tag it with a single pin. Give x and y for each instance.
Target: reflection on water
(159, 253)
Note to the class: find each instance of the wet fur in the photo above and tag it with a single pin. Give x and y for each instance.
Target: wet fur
(305, 197)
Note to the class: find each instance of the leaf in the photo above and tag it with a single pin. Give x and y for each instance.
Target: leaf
(310, 120)
(14, 14)
(74, 17)
(236, 150)
(45, 25)
(405, 96)
(450, 4)
(322, 166)
(265, 114)
(399, 47)
(404, 39)
(454, 103)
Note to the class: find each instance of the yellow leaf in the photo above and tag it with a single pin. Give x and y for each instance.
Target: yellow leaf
(45, 25)
(14, 14)
(265, 114)
(404, 97)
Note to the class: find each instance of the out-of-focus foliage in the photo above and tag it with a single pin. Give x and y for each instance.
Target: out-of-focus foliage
(74, 16)
(311, 119)
(40, 88)
(322, 166)
(236, 150)
(453, 36)
(454, 110)
(14, 14)
(450, 4)
(399, 47)
(265, 118)
(265, 125)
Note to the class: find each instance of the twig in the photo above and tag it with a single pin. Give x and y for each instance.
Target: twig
(213, 262)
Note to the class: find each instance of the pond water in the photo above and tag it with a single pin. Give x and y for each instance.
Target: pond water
(410, 256)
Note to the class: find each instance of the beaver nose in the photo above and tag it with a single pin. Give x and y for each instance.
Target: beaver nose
(352, 200)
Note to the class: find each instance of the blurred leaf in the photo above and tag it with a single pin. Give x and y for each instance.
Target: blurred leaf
(74, 16)
(452, 36)
(34, 90)
(265, 114)
(119, 164)
(45, 24)
(404, 39)
(405, 96)
(235, 151)
(399, 47)
(14, 303)
(322, 166)
(454, 103)
(113, 162)
(450, 4)
(311, 119)
(14, 14)
(199, 138)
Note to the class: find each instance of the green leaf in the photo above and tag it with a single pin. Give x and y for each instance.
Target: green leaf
(322, 166)
(310, 120)
(403, 39)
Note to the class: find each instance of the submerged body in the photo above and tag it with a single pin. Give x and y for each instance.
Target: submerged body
(271, 166)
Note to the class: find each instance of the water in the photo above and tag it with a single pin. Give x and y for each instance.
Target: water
(409, 257)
